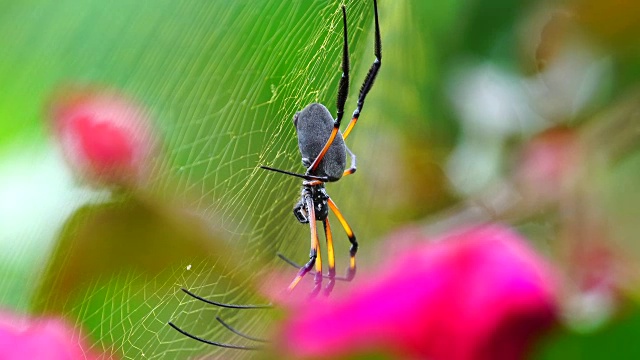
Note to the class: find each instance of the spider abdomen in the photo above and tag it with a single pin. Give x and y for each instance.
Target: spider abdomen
(314, 124)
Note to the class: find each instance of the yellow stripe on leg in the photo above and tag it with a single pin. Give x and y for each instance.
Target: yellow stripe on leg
(294, 283)
(348, 172)
(341, 218)
(330, 253)
(319, 263)
(349, 127)
(316, 162)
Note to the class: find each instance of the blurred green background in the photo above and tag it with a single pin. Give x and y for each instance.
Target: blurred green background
(464, 86)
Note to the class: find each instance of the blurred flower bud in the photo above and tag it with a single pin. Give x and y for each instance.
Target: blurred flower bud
(42, 338)
(105, 137)
(548, 165)
(480, 293)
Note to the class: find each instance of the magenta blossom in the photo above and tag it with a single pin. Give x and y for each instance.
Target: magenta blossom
(42, 338)
(106, 137)
(476, 294)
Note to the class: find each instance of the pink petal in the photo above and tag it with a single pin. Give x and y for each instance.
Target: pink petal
(42, 338)
(480, 293)
(106, 137)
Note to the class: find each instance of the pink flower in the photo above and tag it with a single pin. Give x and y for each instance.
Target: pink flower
(43, 339)
(480, 293)
(105, 137)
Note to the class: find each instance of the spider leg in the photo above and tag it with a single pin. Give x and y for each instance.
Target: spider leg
(297, 266)
(219, 344)
(230, 306)
(314, 253)
(371, 75)
(351, 169)
(214, 343)
(352, 239)
(303, 176)
(239, 333)
(343, 92)
(343, 87)
(331, 258)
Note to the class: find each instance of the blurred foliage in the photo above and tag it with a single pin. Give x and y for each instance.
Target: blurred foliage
(97, 242)
(615, 339)
(223, 80)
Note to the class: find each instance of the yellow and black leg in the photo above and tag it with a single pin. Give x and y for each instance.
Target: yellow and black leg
(344, 86)
(314, 253)
(371, 75)
(331, 258)
(343, 92)
(352, 168)
(351, 273)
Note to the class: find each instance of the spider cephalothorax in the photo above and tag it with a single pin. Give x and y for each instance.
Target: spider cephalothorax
(319, 196)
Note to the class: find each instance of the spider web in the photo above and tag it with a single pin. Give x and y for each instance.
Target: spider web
(239, 109)
(224, 79)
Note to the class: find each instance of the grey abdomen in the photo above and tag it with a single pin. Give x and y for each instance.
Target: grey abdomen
(313, 125)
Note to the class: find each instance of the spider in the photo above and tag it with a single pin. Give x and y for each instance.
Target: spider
(324, 155)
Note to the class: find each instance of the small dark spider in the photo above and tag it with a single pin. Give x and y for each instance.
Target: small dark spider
(324, 154)
(320, 140)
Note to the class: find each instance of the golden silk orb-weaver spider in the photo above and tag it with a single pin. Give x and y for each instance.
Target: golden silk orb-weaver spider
(324, 154)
